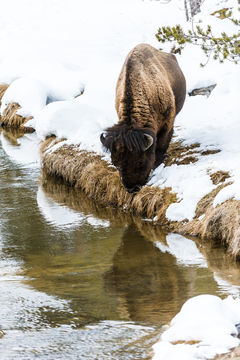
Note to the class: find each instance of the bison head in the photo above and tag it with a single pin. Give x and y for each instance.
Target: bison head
(132, 153)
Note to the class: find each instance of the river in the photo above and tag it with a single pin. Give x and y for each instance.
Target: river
(79, 281)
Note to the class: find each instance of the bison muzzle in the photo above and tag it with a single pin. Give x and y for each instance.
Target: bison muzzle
(150, 92)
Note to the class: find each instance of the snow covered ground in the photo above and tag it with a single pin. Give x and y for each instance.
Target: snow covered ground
(52, 51)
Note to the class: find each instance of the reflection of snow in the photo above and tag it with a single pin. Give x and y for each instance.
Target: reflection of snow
(185, 250)
(61, 216)
(206, 321)
(26, 152)
(97, 222)
(225, 286)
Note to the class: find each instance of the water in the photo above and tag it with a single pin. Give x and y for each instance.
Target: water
(78, 281)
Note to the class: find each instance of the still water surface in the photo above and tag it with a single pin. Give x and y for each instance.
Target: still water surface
(78, 281)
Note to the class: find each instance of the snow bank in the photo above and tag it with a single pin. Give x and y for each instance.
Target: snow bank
(203, 328)
(73, 120)
(29, 93)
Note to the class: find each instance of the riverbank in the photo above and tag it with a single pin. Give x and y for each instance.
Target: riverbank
(99, 180)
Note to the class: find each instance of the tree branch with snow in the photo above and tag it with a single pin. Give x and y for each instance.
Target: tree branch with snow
(221, 47)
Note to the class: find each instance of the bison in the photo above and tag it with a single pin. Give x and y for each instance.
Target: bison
(150, 92)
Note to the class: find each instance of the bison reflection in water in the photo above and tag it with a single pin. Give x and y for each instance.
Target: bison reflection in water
(150, 92)
(147, 282)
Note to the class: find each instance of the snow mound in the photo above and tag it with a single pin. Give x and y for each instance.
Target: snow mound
(205, 327)
(29, 93)
(74, 120)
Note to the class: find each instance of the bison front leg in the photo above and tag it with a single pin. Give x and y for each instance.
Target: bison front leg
(163, 139)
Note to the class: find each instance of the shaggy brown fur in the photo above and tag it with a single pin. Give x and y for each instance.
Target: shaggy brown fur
(10, 118)
(150, 92)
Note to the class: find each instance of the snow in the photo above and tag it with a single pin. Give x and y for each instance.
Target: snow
(229, 192)
(205, 320)
(54, 120)
(31, 95)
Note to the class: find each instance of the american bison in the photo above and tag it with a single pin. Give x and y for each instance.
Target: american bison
(150, 91)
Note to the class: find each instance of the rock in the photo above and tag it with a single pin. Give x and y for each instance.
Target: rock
(202, 91)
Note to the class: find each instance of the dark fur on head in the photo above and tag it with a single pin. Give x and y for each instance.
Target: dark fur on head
(132, 138)
(131, 153)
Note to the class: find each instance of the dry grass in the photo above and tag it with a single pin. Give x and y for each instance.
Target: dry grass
(179, 154)
(219, 176)
(100, 181)
(185, 154)
(3, 88)
(10, 118)
(220, 224)
(189, 342)
(233, 355)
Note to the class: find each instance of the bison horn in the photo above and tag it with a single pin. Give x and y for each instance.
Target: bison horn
(149, 139)
(103, 137)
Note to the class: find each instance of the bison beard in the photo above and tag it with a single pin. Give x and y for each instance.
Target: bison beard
(150, 92)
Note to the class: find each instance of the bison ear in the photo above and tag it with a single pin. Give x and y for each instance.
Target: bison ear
(149, 141)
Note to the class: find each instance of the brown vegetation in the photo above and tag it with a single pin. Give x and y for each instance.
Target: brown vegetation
(233, 355)
(219, 176)
(10, 118)
(219, 224)
(181, 154)
(100, 180)
(3, 88)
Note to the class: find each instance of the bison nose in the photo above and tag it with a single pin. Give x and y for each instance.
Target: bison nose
(133, 189)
